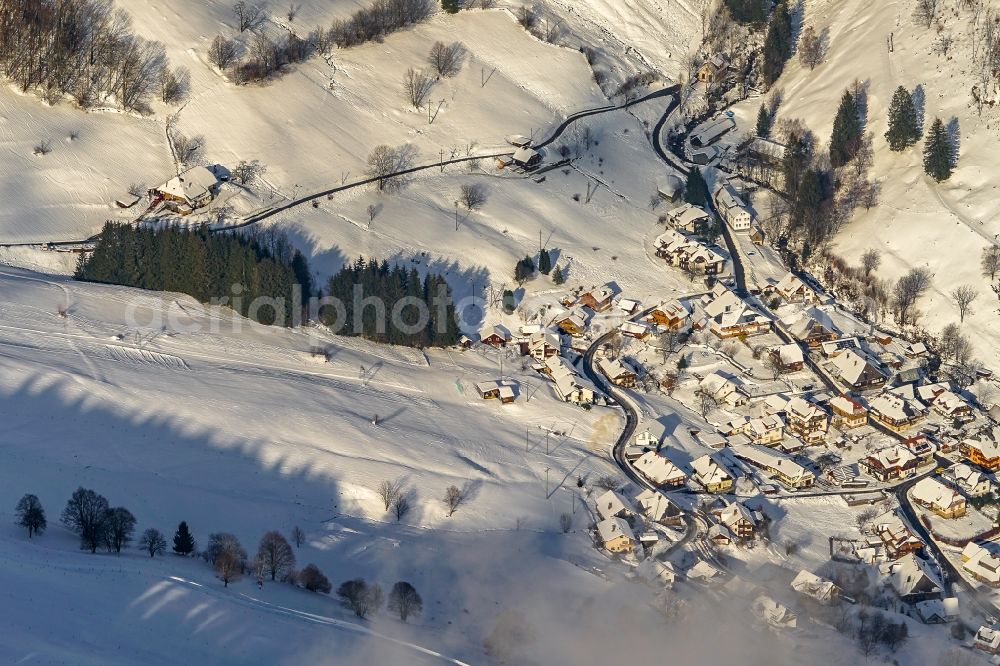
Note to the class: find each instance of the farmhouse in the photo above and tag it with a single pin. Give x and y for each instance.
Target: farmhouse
(847, 413)
(732, 208)
(658, 470)
(613, 505)
(710, 473)
(569, 386)
(794, 290)
(789, 356)
(939, 498)
(894, 412)
(897, 539)
(952, 406)
(970, 481)
(711, 132)
(635, 329)
(541, 345)
(937, 611)
(574, 324)
(805, 420)
(657, 507)
(714, 69)
(526, 158)
(187, 191)
(981, 564)
(895, 462)
(686, 252)
(616, 535)
(741, 522)
(787, 471)
(724, 388)
(913, 579)
(768, 429)
(729, 316)
(617, 372)
(856, 370)
(981, 452)
(773, 613)
(811, 331)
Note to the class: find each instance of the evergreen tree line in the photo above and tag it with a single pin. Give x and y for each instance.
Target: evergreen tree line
(81, 48)
(752, 12)
(91, 517)
(240, 267)
(391, 305)
(905, 129)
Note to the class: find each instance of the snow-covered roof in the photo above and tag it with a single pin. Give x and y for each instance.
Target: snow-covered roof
(985, 445)
(768, 459)
(612, 504)
(709, 471)
(981, 562)
(844, 404)
(658, 469)
(193, 185)
(931, 492)
(912, 575)
(774, 613)
(937, 610)
(790, 354)
(895, 407)
(802, 409)
(893, 456)
(612, 528)
(809, 584)
(614, 368)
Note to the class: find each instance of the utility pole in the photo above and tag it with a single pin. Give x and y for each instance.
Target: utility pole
(546, 442)
(546, 482)
(456, 214)
(442, 160)
(525, 439)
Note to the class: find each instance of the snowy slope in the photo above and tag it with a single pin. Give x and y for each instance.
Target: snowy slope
(918, 222)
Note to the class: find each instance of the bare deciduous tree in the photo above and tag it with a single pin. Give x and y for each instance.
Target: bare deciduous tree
(247, 173)
(453, 498)
(30, 514)
(385, 164)
(472, 196)
(298, 536)
(388, 491)
(248, 14)
(706, 403)
(608, 482)
(963, 296)
(222, 52)
(417, 86)
(174, 84)
(314, 580)
(153, 542)
(810, 48)
(925, 12)
(188, 149)
(84, 514)
(446, 59)
(360, 597)
(527, 17)
(401, 506)
(404, 600)
(565, 522)
(907, 291)
(228, 567)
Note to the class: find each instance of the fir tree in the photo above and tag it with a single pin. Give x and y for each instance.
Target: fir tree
(777, 43)
(557, 275)
(795, 162)
(753, 12)
(508, 301)
(904, 130)
(763, 122)
(696, 191)
(524, 269)
(846, 137)
(183, 541)
(938, 153)
(450, 6)
(544, 262)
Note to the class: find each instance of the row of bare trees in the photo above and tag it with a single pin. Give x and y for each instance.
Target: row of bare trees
(84, 49)
(395, 498)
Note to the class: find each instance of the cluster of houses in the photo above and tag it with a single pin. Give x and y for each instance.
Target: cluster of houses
(618, 516)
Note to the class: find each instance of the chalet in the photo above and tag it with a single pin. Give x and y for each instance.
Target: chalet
(913, 579)
(981, 564)
(856, 370)
(657, 507)
(970, 481)
(671, 187)
(895, 412)
(713, 70)
(812, 332)
(732, 208)
(628, 306)
(818, 589)
(729, 316)
(598, 299)
(635, 329)
(613, 505)
(648, 440)
(720, 535)
(187, 191)
(896, 538)
(847, 413)
(703, 572)
(894, 462)
(786, 470)
(773, 613)
(671, 315)
(658, 470)
(768, 429)
(724, 388)
(741, 522)
(616, 536)
(569, 386)
(757, 236)
(952, 406)
(711, 474)
(541, 345)
(573, 324)
(498, 337)
(656, 571)
(794, 290)
(805, 420)
(526, 158)
(683, 251)
(987, 640)
(939, 498)
(496, 391)
(983, 453)
(617, 372)
(689, 217)
(711, 132)
(789, 356)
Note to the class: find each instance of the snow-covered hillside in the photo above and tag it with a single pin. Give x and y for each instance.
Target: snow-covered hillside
(917, 222)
